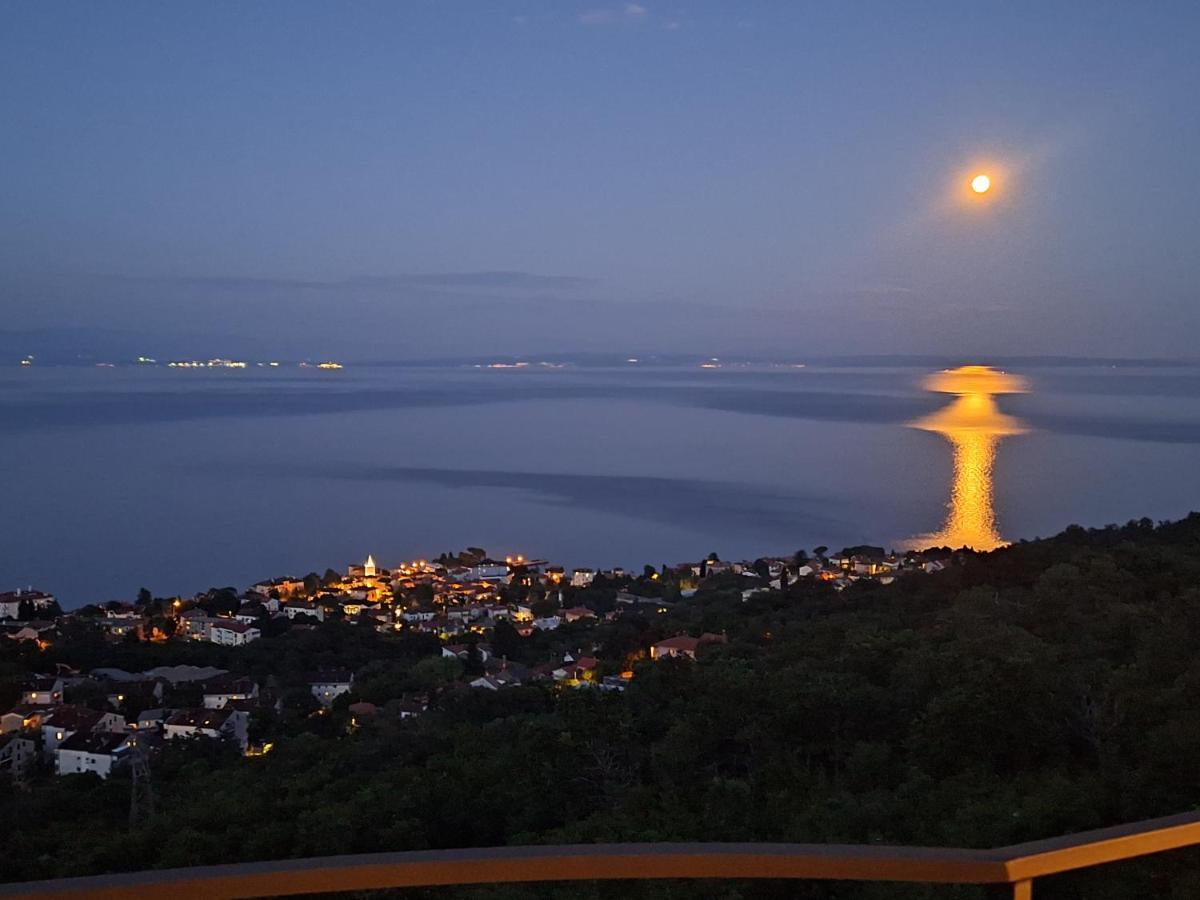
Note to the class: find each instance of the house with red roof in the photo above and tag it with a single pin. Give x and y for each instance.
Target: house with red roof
(684, 646)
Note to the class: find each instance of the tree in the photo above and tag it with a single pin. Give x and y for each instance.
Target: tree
(87, 693)
(506, 641)
(1038, 690)
(473, 665)
(434, 672)
(300, 699)
(543, 605)
(219, 601)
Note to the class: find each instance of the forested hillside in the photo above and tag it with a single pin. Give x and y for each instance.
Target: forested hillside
(1049, 687)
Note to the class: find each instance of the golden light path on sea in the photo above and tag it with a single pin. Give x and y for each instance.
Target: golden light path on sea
(974, 425)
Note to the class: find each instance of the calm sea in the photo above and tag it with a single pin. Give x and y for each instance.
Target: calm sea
(114, 479)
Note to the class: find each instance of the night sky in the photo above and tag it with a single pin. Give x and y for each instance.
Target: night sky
(404, 180)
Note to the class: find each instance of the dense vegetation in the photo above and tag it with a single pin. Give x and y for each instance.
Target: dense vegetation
(1046, 688)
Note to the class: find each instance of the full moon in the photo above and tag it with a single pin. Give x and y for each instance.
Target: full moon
(980, 184)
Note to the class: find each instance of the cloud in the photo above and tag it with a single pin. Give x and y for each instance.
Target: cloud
(506, 280)
(501, 279)
(630, 12)
(880, 288)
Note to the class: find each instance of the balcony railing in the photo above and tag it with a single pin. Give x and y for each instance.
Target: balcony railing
(1016, 866)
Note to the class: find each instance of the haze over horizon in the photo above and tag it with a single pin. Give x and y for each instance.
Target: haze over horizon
(406, 181)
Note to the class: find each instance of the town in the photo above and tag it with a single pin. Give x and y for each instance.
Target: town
(472, 622)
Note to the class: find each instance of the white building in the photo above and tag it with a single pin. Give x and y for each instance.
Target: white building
(16, 753)
(232, 633)
(217, 724)
(64, 721)
(196, 623)
(96, 752)
(419, 615)
(582, 577)
(43, 691)
(300, 607)
(149, 720)
(22, 716)
(488, 571)
(496, 681)
(10, 602)
(328, 686)
(218, 694)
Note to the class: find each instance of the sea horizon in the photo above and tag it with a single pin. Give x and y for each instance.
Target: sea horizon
(251, 473)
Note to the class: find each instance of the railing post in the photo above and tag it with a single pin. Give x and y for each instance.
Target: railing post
(1023, 890)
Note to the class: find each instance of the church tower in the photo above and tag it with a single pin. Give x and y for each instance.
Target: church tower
(369, 570)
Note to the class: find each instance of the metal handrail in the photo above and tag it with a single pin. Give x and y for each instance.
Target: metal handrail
(1016, 865)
